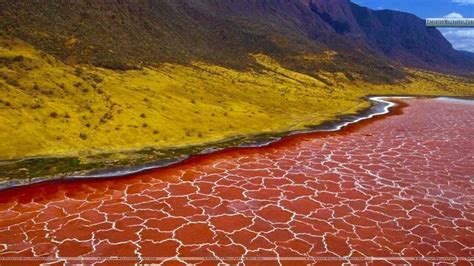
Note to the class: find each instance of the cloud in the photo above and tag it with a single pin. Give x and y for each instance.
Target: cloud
(461, 39)
(464, 2)
(460, 33)
(453, 15)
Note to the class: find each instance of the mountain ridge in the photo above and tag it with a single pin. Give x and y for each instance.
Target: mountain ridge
(125, 34)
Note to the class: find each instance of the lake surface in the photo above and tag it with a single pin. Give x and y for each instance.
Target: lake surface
(401, 185)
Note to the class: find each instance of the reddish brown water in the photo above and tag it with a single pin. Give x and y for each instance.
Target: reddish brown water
(401, 186)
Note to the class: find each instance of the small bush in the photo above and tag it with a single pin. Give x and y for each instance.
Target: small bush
(47, 92)
(77, 71)
(97, 79)
(35, 106)
(12, 82)
(17, 58)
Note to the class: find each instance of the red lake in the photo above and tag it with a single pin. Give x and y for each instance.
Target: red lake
(393, 189)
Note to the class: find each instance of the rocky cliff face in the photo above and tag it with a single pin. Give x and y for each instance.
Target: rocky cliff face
(117, 33)
(337, 14)
(342, 25)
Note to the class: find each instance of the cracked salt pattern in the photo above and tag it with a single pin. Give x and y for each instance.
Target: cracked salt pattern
(399, 186)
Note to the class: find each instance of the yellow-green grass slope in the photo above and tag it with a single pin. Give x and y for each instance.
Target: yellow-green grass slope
(48, 108)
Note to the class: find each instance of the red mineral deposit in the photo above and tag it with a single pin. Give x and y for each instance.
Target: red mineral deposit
(397, 186)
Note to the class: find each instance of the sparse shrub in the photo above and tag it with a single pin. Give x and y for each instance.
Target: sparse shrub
(53, 114)
(12, 82)
(97, 79)
(35, 106)
(143, 116)
(77, 71)
(18, 58)
(83, 136)
(47, 92)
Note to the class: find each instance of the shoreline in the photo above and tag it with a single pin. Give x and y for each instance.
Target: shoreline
(380, 106)
(386, 105)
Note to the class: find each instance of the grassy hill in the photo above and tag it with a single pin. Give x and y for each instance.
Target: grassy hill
(52, 108)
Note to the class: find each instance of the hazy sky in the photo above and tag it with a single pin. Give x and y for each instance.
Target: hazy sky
(461, 38)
